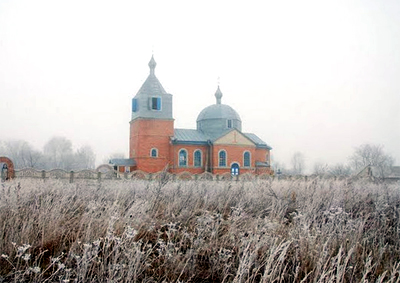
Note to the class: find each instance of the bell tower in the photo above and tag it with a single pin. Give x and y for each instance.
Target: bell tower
(151, 125)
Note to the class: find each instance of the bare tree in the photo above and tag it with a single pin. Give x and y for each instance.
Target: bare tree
(339, 169)
(84, 158)
(22, 154)
(374, 155)
(58, 153)
(298, 163)
(320, 168)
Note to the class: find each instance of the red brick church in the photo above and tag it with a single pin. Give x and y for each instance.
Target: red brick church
(217, 145)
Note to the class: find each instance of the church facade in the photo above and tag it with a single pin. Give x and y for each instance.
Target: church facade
(217, 145)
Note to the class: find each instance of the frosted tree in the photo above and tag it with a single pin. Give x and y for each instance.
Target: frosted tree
(84, 158)
(374, 155)
(22, 154)
(298, 163)
(58, 153)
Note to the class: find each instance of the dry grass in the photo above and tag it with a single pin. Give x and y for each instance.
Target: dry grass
(186, 231)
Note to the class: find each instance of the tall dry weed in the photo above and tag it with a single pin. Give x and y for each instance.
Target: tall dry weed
(199, 231)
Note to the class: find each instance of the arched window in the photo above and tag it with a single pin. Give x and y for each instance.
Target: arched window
(246, 159)
(182, 158)
(197, 158)
(154, 152)
(222, 158)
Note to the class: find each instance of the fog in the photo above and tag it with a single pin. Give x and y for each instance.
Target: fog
(309, 76)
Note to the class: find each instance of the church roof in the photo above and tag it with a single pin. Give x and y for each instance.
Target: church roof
(152, 85)
(259, 142)
(191, 136)
(218, 110)
(262, 164)
(123, 162)
(152, 101)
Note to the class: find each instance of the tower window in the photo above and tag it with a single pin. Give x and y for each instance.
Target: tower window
(222, 158)
(155, 103)
(246, 159)
(182, 158)
(135, 105)
(197, 158)
(154, 152)
(229, 124)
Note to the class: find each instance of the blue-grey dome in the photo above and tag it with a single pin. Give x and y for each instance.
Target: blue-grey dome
(218, 111)
(218, 117)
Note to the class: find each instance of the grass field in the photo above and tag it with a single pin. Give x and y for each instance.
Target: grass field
(204, 231)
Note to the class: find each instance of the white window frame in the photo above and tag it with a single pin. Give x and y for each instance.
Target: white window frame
(151, 152)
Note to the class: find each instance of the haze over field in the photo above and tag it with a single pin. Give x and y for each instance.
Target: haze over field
(319, 78)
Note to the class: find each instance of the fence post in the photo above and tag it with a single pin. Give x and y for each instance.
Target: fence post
(43, 174)
(99, 176)
(71, 177)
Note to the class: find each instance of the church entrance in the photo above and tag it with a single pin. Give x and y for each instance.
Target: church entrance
(234, 169)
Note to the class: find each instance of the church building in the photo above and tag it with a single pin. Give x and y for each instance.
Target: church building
(217, 145)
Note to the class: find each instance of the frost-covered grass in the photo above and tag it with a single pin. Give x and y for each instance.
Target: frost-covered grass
(205, 231)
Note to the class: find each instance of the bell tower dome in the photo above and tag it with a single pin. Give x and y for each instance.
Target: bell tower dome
(152, 101)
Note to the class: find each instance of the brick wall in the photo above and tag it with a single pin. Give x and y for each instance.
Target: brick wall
(261, 155)
(175, 168)
(234, 154)
(146, 134)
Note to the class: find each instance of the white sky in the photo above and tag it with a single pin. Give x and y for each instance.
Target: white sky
(320, 77)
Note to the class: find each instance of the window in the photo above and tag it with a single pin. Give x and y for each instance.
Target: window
(135, 105)
(197, 158)
(154, 152)
(246, 159)
(155, 103)
(182, 158)
(222, 158)
(229, 123)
